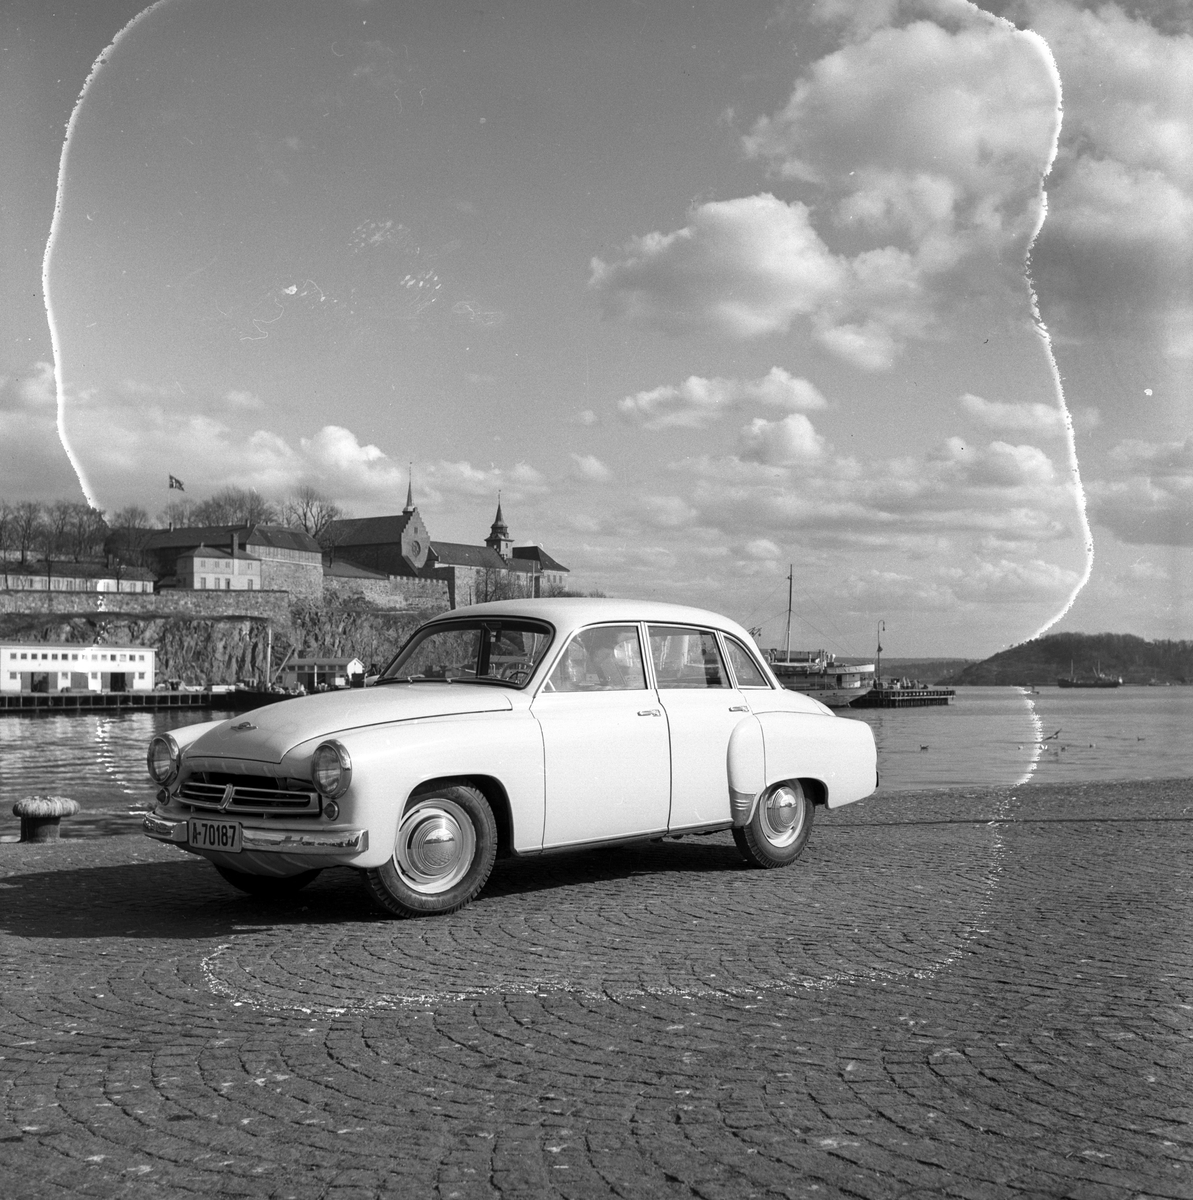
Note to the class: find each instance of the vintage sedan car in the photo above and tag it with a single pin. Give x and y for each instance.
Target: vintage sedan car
(515, 728)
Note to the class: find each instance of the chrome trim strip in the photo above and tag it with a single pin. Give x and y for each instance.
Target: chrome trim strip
(300, 841)
(164, 829)
(741, 806)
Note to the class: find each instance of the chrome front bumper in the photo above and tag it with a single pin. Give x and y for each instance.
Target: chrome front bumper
(282, 841)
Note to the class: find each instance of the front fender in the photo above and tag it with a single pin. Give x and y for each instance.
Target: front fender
(390, 761)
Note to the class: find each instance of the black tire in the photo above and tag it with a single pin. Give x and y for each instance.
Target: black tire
(779, 829)
(444, 850)
(267, 886)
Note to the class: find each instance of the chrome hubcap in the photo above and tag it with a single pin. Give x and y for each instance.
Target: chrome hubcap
(435, 847)
(781, 815)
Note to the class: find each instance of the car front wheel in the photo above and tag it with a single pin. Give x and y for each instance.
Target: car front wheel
(443, 853)
(779, 828)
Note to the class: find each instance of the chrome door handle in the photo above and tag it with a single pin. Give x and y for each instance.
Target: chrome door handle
(649, 712)
(739, 708)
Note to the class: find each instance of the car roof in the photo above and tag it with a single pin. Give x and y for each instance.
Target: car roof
(571, 612)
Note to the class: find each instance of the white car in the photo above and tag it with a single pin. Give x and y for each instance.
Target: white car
(515, 728)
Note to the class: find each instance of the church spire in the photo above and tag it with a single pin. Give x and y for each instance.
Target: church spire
(410, 491)
(499, 535)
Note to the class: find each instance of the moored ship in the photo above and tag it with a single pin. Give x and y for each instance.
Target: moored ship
(817, 673)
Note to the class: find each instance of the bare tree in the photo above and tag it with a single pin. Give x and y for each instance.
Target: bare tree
(130, 535)
(54, 533)
(309, 510)
(178, 514)
(494, 584)
(235, 506)
(26, 521)
(87, 532)
(6, 532)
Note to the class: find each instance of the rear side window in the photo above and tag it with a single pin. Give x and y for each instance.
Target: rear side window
(607, 658)
(686, 658)
(745, 670)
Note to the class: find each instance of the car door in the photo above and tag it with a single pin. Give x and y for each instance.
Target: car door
(703, 708)
(605, 745)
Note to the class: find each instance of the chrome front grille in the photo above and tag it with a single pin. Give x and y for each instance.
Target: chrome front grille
(249, 795)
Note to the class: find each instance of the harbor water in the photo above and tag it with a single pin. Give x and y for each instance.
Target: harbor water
(986, 736)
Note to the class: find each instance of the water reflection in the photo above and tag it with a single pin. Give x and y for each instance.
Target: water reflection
(988, 736)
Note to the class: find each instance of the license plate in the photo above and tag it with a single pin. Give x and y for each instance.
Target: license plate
(216, 835)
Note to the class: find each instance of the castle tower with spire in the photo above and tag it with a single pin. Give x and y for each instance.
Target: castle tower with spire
(499, 535)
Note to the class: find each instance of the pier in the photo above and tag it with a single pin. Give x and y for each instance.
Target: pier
(913, 697)
(36, 703)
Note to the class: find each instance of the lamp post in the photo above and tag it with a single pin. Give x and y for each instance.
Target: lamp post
(878, 656)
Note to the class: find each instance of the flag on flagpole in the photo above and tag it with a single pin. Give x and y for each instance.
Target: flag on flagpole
(175, 482)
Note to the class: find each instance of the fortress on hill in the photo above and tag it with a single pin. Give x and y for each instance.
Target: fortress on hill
(391, 561)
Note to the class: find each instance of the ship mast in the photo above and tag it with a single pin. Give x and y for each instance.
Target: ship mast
(790, 575)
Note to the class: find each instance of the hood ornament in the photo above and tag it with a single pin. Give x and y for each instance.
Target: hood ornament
(243, 727)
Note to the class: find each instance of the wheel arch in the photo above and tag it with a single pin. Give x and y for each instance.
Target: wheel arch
(815, 789)
(493, 791)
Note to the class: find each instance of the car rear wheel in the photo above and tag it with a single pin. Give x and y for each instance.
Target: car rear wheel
(443, 853)
(779, 828)
(268, 886)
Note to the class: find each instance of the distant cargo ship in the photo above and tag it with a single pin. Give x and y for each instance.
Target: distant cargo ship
(1098, 681)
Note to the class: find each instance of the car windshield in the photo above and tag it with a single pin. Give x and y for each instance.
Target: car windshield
(492, 650)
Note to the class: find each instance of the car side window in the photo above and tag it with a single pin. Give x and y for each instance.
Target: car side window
(686, 658)
(745, 670)
(606, 658)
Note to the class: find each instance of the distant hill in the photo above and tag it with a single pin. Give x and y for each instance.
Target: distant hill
(1044, 660)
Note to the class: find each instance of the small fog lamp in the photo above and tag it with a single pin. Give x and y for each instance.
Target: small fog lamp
(162, 759)
(331, 809)
(331, 770)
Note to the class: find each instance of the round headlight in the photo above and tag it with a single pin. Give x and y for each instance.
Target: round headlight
(331, 770)
(162, 758)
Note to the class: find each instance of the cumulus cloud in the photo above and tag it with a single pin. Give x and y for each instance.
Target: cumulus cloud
(238, 398)
(33, 464)
(977, 127)
(697, 403)
(915, 180)
(1147, 495)
(129, 438)
(957, 585)
(742, 267)
(1014, 417)
(998, 465)
(589, 467)
(936, 171)
(784, 443)
(1120, 220)
(763, 549)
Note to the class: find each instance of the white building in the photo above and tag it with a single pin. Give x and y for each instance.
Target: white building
(36, 667)
(222, 570)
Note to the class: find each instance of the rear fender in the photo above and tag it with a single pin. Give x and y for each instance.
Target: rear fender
(833, 756)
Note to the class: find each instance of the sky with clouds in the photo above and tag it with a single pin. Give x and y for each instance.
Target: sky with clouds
(704, 288)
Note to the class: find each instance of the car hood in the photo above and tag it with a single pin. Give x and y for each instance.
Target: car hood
(267, 733)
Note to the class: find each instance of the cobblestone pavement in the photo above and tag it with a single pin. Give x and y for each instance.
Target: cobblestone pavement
(977, 994)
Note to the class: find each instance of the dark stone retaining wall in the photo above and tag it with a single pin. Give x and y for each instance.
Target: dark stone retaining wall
(171, 603)
(397, 594)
